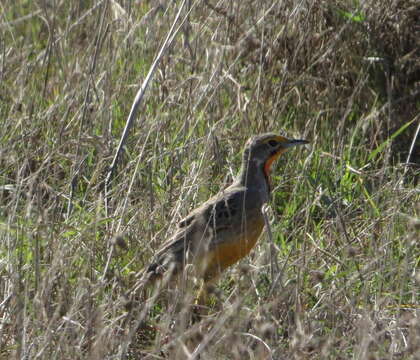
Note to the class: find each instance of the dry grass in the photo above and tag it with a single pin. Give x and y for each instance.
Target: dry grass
(344, 214)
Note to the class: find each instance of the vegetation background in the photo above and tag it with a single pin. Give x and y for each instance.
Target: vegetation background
(338, 279)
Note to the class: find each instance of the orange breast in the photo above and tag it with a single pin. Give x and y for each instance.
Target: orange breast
(231, 251)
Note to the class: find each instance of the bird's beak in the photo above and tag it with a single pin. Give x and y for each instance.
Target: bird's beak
(294, 142)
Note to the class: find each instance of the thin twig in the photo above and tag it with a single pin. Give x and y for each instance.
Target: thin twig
(138, 99)
(413, 144)
(273, 250)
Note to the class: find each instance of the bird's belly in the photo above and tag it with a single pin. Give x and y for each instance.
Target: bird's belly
(229, 252)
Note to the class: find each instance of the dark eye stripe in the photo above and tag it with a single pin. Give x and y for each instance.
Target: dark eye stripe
(272, 143)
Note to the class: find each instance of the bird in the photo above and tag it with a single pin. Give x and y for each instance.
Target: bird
(225, 228)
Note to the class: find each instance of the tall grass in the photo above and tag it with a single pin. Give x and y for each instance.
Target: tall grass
(344, 213)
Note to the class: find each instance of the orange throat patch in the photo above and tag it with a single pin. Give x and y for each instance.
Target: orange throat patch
(269, 163)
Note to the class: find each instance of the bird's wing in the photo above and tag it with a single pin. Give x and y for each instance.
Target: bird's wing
(202, 226)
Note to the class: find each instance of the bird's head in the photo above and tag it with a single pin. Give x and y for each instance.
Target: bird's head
(264, 149)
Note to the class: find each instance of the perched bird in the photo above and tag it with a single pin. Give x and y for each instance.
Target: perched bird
(226, 227)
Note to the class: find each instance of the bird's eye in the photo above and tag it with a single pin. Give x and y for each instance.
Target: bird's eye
(272, 143)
